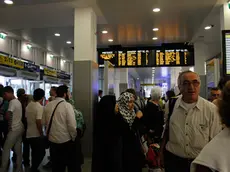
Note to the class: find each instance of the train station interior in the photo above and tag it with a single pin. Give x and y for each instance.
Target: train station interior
(112, 46)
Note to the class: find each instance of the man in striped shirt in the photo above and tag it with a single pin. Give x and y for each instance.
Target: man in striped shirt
(193, 123)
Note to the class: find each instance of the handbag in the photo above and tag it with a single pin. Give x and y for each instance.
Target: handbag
(46, 138)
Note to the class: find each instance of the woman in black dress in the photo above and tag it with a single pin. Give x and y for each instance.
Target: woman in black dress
(128, 124)
(154, 116)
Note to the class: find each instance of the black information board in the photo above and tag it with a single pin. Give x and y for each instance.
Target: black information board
(128, 58)
(226, 52)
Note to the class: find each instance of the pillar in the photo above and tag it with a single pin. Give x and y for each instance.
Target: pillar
(124, 79)
(200, 49)
(225, 17)
(85, 70)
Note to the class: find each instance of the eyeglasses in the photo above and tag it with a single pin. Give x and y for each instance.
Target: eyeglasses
(195, 83)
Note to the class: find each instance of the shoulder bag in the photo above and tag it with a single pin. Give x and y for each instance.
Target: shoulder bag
(47, 144)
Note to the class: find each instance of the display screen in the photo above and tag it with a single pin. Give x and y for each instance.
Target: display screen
(227, 52)
(147, 57)
(174, 57)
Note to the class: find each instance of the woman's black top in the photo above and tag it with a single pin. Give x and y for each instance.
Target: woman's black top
(154, 119)
(131, 151)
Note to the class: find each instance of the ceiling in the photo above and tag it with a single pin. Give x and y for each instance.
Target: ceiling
(128, 22)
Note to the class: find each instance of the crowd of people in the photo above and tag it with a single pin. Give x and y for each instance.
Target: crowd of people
(54, 124)
(181, 135)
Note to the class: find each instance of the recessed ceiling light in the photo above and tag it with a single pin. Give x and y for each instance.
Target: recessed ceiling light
(155, 29)
(110, 40)
(208, 27)
(137, 78)
(155, 38)
(68, 42)
(57, 34)
(156, 10)
(9, 2)
(104, 32)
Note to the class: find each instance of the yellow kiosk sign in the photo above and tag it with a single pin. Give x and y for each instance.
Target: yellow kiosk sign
(11, 62)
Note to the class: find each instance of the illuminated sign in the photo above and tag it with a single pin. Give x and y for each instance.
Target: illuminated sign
(226, 52)
(129, 57)
(11, 62)
(178, 57)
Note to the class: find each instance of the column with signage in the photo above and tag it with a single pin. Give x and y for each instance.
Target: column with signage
(85, 70)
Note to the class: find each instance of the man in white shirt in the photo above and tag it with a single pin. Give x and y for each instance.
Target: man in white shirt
(15, 130)
(62, 132)
(34, 112)
(193, 123)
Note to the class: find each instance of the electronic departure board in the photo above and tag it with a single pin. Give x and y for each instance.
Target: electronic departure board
(104, 56)
(226, 52)
(176, 57)
(127, 58)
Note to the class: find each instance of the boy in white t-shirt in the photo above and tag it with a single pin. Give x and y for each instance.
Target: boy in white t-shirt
(15, 130)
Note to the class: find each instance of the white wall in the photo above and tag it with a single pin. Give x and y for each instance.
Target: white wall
(4, 45)
(25, 52)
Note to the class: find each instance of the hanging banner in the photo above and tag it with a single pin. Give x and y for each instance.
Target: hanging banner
(11, 62)
(50, 72)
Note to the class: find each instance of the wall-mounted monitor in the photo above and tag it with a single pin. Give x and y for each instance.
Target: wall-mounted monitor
(226, 51)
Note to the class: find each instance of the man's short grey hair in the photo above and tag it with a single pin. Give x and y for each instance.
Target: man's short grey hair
(180, 77)
(156, 93)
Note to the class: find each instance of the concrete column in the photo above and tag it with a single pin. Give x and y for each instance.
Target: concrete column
(85, 70)
(200, 58)
(225, 17)
(124, 79)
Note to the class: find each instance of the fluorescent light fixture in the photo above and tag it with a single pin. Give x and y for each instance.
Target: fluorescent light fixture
(104, 32)
(110, 40)
(29, 46)
(68, 42)
(8, 2)
(57, 34)
(155, 29)
(156, 10)
(155, 38)
(208, 27)
(3, 35)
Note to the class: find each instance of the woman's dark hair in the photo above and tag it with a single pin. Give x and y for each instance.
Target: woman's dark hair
(62, 90)
(224, 108)
(1, 90)
(38, 94)
(132, 91)
(222, 82)
(170, 94)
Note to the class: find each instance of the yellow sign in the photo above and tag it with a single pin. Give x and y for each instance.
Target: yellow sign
(11, 62)
(50, 72)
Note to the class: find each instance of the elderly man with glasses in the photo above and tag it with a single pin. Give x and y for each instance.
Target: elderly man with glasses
(193, 122)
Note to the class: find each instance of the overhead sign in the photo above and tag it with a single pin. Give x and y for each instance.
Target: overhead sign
(63, 75)
(174, 57)
(31, 67)
(50, 72)
(11, 62)
(147, 57)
